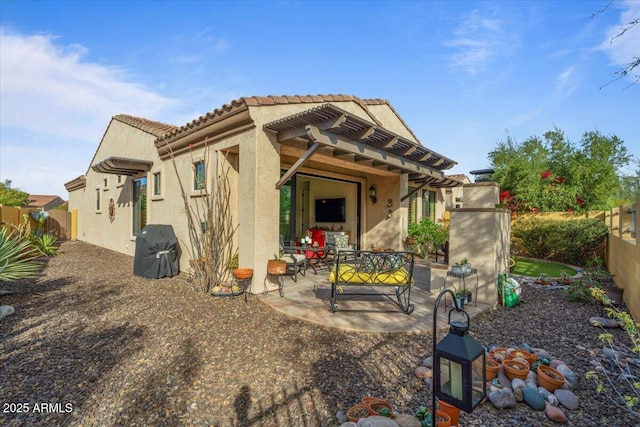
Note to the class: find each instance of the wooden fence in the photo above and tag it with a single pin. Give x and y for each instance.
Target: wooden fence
(58, 223)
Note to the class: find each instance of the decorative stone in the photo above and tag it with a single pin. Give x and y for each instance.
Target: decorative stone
(517, 383)
(525, 347)
(428, 362)
(348, 424)
(519, 394)
(580, 347)
(555, 414)
(407, 420)
(502, 378)
(423, 372)
(603, 322)
(569, 375)
(377, 421)
(567, 399)
(502, 399)
(534, 399)
(6, 310)
(341, 416)
(6, 292)
(554, 363)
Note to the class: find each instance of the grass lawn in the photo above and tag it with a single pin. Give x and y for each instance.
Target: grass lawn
(533, 268)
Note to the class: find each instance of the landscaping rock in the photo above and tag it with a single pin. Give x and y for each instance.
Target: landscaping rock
(502, 378)
(555, 414)
(604, 322)
(423, 372)
(567, 399)
(428, 362)
(407, 420)
(377, 421)
(569, 375)
(534, 399)
(6, 310)
(502, 398)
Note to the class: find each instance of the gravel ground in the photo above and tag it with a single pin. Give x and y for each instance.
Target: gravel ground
(90, 344)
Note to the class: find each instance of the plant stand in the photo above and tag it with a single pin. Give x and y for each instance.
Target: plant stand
(461, 284)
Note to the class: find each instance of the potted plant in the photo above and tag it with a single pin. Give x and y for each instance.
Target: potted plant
(425, 416)
(277, 266)
(356, 412)
(466, 267)
(239, 273)
(565, 279)
(543, 279)
(460, 299)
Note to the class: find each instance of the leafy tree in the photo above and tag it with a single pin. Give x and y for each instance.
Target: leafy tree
(12, 196)
(553, 174)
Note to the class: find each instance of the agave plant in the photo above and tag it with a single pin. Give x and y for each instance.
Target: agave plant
(17, 257)
(46, 244)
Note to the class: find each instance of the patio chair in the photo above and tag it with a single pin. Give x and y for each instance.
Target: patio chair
(335, 242)
(296, 261)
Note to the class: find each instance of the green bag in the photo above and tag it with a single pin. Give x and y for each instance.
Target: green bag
(511, 290)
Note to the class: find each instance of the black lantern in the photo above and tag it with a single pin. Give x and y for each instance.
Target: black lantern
(459, 364)
(372, 194)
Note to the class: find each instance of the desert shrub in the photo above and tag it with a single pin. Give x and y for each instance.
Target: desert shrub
(573, 242)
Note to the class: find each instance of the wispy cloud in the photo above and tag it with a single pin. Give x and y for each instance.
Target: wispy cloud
(566, 82)
(50, 92)
(623, 49)
(479, 39)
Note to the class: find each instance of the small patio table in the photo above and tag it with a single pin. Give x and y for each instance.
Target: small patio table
(316, 256)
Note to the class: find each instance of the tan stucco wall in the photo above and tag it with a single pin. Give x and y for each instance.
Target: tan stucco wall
(390, 121)
(481, 234)
(94, 226)
(623, 255)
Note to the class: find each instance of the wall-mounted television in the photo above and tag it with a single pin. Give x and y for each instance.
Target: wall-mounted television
(331, 210)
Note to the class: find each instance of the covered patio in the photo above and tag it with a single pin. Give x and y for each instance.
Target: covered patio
(308, 300)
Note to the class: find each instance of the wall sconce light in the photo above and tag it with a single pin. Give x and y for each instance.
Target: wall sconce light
(389, 203)
(458, 361)
(372, 194)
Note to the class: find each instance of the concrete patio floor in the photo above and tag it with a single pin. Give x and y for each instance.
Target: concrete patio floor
(308, 300)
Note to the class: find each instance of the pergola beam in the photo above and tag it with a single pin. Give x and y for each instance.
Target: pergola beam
(297, 165)
(301, 131)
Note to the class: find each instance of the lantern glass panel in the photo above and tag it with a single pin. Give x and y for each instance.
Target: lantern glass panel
(451, 378)
(477, 381)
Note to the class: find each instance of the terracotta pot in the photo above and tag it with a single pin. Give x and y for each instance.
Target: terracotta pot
(377, 405)
(276, 268)
(515, 369)
(243, 273)
(356, 412)
(491, 369)
(500, 354)
(549, 378)
(368, 399)
(442, 419)
(529, 357)
(452, 411)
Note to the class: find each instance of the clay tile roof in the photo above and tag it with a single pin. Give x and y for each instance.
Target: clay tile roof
(149, 126)
(39, 200)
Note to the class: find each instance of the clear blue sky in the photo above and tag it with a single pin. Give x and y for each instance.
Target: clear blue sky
(464, 75)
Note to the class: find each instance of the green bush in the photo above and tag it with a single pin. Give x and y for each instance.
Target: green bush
(572, 242)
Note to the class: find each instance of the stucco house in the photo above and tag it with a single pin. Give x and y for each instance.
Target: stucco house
(284, 152)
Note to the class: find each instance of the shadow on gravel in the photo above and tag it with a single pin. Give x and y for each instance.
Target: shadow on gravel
(61, 367)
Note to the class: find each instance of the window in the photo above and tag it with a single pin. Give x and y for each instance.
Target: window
(429, 204)
(412, 208)
(105, 182)
(98, 199)
(139, 204)
(157, 184)
(199, 175)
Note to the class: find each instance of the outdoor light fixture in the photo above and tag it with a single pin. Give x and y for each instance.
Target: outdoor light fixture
(458, 364)
(372, 194)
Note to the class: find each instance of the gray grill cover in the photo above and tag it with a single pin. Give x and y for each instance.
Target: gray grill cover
(156, 255)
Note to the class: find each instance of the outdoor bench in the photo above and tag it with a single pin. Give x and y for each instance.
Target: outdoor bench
(377, 270)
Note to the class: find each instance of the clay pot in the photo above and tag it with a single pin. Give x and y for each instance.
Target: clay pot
(515, 369)
(452, 411)
(356, 412)
(491, 369)
(377, 406)
(243, 273)
(442, 419)
(549, 378)
(500, 354)
(276, 268)
(529, 357)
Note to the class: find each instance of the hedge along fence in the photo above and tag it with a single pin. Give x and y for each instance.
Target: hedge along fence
(571, 241)
(58, 223)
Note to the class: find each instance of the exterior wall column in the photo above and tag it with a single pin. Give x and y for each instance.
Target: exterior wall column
(480, 232)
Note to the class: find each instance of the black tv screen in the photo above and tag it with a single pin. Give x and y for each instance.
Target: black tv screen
(331, 210)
